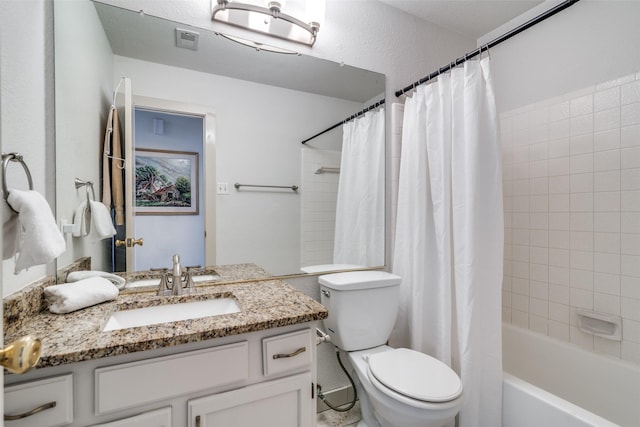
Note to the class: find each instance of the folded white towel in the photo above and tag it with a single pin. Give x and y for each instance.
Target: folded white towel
(70, 297)
(39, 240)
(94, 223)
(75, 276)
(9, 231)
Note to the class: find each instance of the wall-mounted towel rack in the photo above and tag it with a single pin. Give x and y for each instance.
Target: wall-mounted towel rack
(327, 169)
(13, 157)
(79, 183)
(289, 187)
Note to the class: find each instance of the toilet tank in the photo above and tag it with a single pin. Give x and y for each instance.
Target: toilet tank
(362, 305)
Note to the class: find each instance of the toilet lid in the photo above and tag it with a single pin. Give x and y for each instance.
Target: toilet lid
(415, 375)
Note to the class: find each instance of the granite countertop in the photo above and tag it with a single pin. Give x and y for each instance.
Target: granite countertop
(78, 336)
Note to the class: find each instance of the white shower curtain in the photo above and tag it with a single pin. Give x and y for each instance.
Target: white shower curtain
(359, 233)
(449, 234)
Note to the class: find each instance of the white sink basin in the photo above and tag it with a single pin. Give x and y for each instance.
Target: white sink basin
(170, 313)
(156, 281)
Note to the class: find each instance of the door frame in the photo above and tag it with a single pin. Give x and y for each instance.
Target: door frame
(209, 170)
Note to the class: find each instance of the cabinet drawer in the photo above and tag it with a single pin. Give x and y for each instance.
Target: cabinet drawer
(137, 383)
(287, 352)
(54, 396)
(157, 418)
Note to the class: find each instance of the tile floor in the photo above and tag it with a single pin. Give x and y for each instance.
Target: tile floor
(331, 418)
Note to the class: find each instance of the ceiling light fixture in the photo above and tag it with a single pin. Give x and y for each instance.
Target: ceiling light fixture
(269, 17)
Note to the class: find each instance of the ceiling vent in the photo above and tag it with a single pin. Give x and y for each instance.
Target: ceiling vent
(187, 39)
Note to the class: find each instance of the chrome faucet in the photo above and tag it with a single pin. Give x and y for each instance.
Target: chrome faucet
(176, 276)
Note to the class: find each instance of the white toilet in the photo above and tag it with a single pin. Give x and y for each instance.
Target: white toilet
(397, 387)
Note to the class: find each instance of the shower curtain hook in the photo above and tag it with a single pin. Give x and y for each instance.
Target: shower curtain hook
(488, 53)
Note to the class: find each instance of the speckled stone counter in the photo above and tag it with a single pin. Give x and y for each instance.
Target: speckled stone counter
(78, 336)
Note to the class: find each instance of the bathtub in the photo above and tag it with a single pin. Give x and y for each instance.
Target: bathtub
(553, 384)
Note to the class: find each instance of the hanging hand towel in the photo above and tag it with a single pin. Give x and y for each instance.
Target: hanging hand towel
(39, 240)
(70, 297)
(9, 231)
(76, 276)
(101, 225)
(94, 223)
(81, 219)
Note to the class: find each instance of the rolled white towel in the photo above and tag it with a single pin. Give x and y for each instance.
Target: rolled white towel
(75, 276)
(70, 297)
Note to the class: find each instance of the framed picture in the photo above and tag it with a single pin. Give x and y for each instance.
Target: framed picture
(166, 182)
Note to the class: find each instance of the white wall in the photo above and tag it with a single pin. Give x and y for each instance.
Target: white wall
(83, 89)
(570, 99)
(27, 121)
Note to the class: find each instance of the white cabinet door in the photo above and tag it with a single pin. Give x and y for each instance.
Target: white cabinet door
(157, 418)
(285, 402)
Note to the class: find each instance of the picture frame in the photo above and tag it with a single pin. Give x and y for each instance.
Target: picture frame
(166, 182)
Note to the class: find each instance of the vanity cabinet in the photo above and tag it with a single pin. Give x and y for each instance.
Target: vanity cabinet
(46, 403)
(264, 378)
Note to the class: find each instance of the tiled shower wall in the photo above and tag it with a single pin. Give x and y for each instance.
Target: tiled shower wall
(572, 214)
(319, 195)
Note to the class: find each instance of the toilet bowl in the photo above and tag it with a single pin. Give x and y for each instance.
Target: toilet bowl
(398, 387)
(405, 388)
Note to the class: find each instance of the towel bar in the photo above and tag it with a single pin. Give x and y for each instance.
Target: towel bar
(13, 157)
(290, 187)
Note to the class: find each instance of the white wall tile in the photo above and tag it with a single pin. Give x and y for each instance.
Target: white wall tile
(581, 106)
(630, 115)
(630, 287)
(560, 184)
(606, 222)
(630, 265)
(606, 120)
(582, 202)
(583, 125)
(581, 339)
(582, 221)
(559, 166)
(559, 275)
(606, 201)
(631, 330)
(539, 238)
(539, 273)
(581, 163)
(630, 308)
(630, 222)
(560, 221)
(605, 303)
(581, 279)
(539, 203)
(630, 351)
(606, 181)
(559, 239)
(539, 169)
(606, 283)
(581, 144)
(520, 302)
(630, 157)
(630, 93)
(559, 294)
(615, 82)
(582, 240)
(607, 140)
(520, 236)
(539, 307)
(630, 201)
(539, 221)
(582, 183)
(560, 129)
(520, 286)
(559, 312)
(559, 203)
(520, 187)
(607, 242)
(539, 186)
(606, 160)
(559, 257)
(562, 147)
(581, 298)
(630, 136)
(520, 319)
(539, 255)
(630, 179)
(605, 99)
(630, 244)
(538, 324)
(560, 111)
(606, 263)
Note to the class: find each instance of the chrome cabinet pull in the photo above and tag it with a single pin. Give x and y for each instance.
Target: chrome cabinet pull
(31, 412)
(295, 353)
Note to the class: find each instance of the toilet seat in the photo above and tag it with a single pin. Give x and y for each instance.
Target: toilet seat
(414, 375)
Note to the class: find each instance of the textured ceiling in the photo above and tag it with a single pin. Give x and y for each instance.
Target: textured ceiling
(472, 18)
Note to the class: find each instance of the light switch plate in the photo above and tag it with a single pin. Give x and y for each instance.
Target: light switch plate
(223, 188)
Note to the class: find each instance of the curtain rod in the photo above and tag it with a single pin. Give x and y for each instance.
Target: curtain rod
(356, 115)
(506, 36)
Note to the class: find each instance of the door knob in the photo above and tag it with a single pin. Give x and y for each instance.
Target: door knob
(129, 242)
(21, 355)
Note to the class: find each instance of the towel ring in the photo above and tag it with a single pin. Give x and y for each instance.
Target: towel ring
(13, 157)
